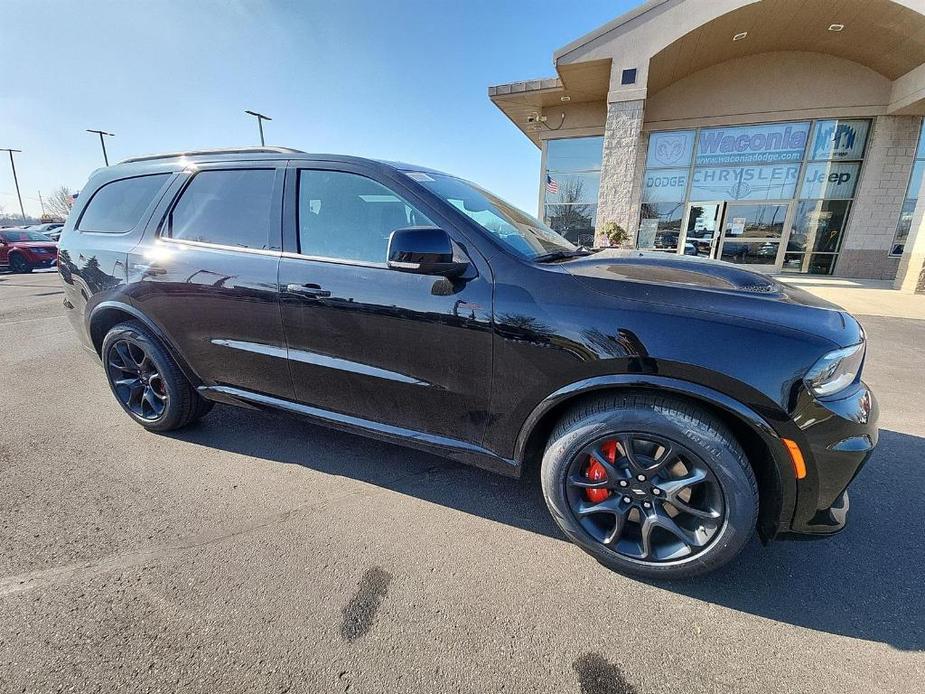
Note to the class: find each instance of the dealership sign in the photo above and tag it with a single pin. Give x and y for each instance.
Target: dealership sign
(839, 139)
(670, 148)
(665, 185)
(829, 180)
(752, 143)
(767, 182)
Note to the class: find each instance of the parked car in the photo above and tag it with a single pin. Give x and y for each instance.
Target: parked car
(673, 404)
(51, 229)
(23, 250)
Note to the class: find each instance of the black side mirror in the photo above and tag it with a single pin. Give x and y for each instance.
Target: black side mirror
(424, 251)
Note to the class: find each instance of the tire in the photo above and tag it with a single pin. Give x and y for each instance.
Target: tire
(701, 492)
(19, 264)
(146, 380)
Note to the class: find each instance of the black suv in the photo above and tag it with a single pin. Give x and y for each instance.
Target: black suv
(674, 404)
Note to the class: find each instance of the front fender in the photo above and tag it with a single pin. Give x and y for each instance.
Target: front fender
(538, 420)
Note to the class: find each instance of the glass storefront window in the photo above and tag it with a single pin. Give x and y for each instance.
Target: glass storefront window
(660, 228)
(818, 226)
(763, 182)
(755, 221)
(912, 195)
(809, 263)
(751, 253)
(574, 154)
(746, 144)
(839, 140)
(575, 222)
(571, 183)
(665, 185)
(777, 193)
(831, 180)
(902, 229)
(670, 149)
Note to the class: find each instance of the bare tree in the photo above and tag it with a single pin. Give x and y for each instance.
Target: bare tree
(58, 204)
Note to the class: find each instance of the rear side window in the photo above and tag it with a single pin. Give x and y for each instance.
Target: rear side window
(350, 217)
(229, 207)
(118, 206)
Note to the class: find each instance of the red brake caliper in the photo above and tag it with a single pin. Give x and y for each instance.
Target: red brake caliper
(595, 472)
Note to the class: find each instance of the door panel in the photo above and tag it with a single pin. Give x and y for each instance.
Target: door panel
(407, 350)
(219, 303)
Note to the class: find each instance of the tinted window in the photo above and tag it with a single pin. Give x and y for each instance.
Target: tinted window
(521, 232)
(16, 236)
(346, 216)
(231, 208)
(118, 206)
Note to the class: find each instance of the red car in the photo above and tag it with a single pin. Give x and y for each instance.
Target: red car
(22, 250)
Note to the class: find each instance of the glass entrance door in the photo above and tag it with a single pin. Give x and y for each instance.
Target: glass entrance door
(702, 229)
(753, 234)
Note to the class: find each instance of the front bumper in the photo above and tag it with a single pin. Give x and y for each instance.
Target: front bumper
(840, 436)
(42, 260)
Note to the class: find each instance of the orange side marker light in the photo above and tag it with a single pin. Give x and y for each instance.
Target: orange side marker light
(796, 457)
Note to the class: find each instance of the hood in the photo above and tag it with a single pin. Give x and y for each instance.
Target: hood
(714, 286)
(35, 244)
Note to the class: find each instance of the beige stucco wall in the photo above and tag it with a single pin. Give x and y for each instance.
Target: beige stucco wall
(768, 87)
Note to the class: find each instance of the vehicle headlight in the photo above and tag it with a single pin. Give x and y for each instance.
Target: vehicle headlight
(835, 371)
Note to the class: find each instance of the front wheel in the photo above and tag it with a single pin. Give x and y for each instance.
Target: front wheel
(147, 381)
(651, 486)
(19, 264)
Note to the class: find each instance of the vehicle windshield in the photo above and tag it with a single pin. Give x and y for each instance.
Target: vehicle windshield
(519, 231)
(16, 235)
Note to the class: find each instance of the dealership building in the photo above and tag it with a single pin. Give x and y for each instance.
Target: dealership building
(782, 134)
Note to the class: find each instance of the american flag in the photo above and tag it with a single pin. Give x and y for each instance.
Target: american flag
(552, 186)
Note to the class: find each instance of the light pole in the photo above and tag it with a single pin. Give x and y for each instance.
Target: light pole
(260, 119)
(102, 143)
(15, 180)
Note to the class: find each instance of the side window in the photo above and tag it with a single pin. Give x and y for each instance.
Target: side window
(118, 205)
(349, 217)
(230, 207)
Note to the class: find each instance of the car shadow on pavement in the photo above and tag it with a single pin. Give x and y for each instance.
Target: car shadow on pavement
(863, 583)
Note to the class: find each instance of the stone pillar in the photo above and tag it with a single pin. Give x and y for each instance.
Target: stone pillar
(878, 200)
(621, 168)
(911, 274)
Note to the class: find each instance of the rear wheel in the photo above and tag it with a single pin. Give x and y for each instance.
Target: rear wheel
(147, 381)
(19, 264)
(650, 485)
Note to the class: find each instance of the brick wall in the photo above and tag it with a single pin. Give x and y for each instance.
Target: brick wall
(878, 200)
(621, 167)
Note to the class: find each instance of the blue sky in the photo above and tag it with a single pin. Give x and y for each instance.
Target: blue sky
(399, 79)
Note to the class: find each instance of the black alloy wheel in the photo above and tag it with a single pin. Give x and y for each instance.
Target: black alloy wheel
(646, 497)
(146, 380)
(651, 485)
(136, 379)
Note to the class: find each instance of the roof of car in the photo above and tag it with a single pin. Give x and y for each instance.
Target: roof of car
(257, 153)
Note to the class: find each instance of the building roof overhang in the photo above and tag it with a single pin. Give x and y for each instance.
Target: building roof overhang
(667, 40)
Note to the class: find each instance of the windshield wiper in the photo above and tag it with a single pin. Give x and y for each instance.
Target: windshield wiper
(560, 255)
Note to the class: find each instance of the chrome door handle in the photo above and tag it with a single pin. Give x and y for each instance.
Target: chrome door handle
(310, 290)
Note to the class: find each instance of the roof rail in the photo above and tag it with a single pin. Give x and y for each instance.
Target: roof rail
(218, 150)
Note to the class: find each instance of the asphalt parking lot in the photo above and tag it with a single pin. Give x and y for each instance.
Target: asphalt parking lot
(261, 553)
